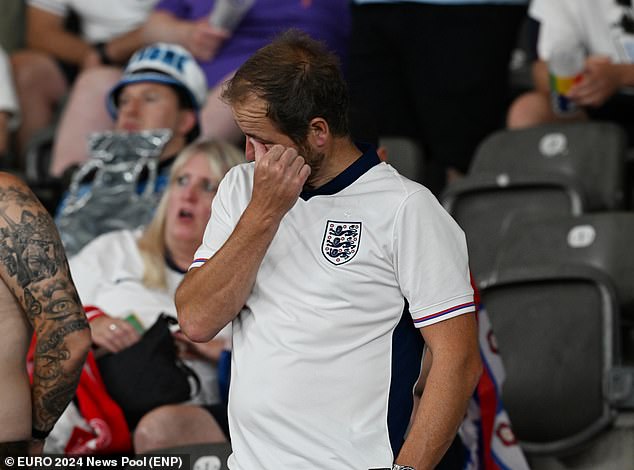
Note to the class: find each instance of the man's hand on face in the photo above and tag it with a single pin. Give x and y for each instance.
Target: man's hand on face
(280, 175)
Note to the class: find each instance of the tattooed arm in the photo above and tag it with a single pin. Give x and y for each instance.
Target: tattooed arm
(34, 268)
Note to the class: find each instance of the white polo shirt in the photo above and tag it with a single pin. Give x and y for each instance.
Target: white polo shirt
(320, 377)
(594, 24)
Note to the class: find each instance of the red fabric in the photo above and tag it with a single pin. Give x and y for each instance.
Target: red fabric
(93, 312)
(110, 433)
(488, 403)
(485, 391)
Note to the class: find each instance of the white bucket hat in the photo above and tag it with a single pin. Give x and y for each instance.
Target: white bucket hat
(164, 63)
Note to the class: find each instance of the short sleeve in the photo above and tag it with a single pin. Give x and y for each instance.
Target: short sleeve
(221, 223)
(431, 261)
(556, 25)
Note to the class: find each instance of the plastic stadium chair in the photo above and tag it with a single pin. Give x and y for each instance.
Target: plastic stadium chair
(558, 292)
(555, 169)
(602, 240)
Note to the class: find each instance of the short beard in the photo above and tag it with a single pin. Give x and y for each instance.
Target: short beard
(313, 159)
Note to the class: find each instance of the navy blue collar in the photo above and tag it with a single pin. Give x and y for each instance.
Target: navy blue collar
(347, 176)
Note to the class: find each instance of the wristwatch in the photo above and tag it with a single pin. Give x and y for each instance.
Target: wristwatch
(402, 467)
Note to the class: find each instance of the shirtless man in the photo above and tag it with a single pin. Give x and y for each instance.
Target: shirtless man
(36, 294)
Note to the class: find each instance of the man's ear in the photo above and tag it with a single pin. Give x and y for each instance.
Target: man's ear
(318, 133)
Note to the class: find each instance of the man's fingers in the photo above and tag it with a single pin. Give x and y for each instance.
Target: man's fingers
(304, 173)
(297, 164)
(288, 156)
(258, 149)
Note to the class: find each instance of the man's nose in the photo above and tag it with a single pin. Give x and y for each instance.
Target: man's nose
(130, 107)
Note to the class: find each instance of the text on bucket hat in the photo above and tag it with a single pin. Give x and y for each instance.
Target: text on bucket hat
(169, 64)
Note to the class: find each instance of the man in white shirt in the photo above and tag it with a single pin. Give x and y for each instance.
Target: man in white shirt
(310, 252)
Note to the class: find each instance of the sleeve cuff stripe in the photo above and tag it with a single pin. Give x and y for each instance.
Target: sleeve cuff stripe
(467, 306)
(197, 263)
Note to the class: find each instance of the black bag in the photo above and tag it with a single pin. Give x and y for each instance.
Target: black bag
(148, 373)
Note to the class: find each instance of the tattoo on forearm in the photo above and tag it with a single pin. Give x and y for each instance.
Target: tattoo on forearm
(32, 255)
(57, 337)
(48, 366)
(55, 401)
(29, 248)
(33, 307)
(51, 403)
(62, 300)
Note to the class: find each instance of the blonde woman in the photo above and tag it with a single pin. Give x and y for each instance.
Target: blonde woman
(126, 277)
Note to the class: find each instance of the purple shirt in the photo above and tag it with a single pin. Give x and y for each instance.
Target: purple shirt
(326, 20)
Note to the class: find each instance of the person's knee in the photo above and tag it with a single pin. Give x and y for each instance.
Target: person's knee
(150, 431)
(35, 71)
(529, 109)
(176, 425)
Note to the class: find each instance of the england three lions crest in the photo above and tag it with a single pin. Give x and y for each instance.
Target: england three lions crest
(341, 241)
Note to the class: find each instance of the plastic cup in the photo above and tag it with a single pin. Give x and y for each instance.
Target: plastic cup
(565, 70)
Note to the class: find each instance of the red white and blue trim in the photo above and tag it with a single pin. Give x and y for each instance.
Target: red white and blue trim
(197, 263)
(445, 313)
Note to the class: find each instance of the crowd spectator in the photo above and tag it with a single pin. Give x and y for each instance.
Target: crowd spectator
(162, 88)
(133, 272)
(308, 253)
(108, 33)
(37, 296)
(435, 71)
(604, 29)
(186, 424)
(219, 52)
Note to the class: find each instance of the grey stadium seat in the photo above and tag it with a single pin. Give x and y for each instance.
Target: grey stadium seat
(556, 297)
(555, 169)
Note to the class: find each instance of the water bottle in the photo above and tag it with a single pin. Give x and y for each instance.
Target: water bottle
(227, 14)
(565, 69)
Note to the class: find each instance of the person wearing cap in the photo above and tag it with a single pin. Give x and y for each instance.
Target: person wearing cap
(162, 86)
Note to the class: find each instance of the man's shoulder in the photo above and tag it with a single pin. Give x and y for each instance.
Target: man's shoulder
(239, 177)
(385, 177)
(8, 180)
